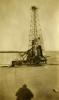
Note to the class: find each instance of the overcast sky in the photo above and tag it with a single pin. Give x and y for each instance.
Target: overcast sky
(15, 23)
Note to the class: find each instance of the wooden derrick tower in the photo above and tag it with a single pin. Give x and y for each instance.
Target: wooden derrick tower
(35, 49)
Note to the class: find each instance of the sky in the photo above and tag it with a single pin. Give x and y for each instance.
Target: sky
(15, 23)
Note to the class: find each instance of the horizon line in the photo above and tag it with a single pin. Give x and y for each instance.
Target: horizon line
(12, 51)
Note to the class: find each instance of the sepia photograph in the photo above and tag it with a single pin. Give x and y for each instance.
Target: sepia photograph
(29, 49)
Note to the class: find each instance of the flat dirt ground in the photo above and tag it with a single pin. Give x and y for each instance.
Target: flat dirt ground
(41, 80)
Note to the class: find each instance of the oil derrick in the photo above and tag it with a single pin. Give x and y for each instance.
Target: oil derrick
(34, 36)
(35, 54)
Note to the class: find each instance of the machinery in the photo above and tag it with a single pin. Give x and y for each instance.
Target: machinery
(34, 54)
